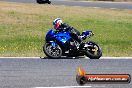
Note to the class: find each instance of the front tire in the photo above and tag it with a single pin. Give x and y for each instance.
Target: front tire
(93, 52)
(52, 52)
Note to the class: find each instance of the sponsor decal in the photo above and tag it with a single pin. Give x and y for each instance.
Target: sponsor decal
(83, 78)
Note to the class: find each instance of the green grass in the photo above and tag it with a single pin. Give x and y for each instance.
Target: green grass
(23, 27)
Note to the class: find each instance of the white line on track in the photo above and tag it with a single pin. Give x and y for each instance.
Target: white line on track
(116, 58)
(67, 87)
(72, 87)
(20, 57)
(80, 57)
(112, 58)
(107, 2)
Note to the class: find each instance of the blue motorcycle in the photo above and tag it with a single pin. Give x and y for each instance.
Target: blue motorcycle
(59, 44)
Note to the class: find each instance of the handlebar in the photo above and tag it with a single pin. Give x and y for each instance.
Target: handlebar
(86, 34)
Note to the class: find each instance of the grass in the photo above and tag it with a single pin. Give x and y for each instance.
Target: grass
(23, 27)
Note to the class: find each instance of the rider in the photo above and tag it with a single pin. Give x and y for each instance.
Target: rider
(60, 26)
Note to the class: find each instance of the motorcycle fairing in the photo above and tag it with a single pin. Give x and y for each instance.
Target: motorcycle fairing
(63, 37)
(58, 38)
(50, 35)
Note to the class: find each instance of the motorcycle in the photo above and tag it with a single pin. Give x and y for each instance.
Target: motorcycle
(59, 44)
(43, 1)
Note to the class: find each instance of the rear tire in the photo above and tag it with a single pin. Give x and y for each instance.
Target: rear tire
(51, 52)
(91, 54)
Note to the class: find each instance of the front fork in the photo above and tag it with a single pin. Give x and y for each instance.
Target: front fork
(53, 44)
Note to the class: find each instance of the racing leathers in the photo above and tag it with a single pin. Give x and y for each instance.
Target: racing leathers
(75, 34)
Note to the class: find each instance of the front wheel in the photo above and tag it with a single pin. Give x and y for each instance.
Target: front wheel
(52, 52)
(93, 51)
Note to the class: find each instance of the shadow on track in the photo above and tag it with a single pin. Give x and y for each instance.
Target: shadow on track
(64, 58)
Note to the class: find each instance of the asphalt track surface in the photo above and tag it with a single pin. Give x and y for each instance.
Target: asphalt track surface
(111, 5)
(33, 73)
(36, 72)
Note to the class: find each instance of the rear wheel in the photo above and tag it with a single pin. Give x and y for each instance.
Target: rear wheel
(52, 52)
(93, 51)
